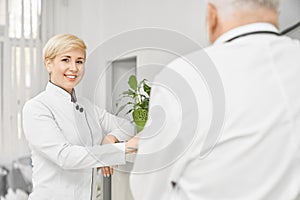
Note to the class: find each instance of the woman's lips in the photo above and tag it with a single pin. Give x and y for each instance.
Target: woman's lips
(71, 77)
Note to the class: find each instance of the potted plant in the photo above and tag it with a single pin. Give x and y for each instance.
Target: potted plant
(138, 96)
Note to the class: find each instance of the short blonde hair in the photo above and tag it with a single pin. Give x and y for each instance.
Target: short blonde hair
(62, 43)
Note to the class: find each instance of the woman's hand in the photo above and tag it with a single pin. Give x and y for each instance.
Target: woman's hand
(107, 171)
(132, 145)
(109, 139)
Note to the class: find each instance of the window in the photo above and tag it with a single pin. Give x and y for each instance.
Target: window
(2, 12)
(24, 18)
(1, 91)
(21, 66)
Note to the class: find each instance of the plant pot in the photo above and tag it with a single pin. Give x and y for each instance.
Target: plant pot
(140, 117)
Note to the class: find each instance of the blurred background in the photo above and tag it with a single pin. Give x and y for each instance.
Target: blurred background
(25, 26)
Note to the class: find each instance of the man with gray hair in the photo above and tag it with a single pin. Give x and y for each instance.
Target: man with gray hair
(257, 156)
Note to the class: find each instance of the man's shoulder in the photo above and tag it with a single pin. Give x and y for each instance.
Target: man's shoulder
(290, 41)
(189, 59)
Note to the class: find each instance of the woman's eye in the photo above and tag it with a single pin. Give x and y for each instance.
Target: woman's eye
(65, 60)
(80, 62)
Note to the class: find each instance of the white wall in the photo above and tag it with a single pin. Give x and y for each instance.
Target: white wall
(289, 13)
(97, 21)
(176, 15)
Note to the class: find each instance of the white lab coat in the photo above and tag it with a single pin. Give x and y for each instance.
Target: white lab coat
(257, 156)
(65, 144)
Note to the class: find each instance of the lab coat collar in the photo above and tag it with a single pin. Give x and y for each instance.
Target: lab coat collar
(51, 87)
(245, 29)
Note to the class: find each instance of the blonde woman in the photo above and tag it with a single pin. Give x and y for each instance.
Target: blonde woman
(65, 132)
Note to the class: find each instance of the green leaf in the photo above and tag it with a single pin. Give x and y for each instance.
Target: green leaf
(144, 104)
(140, 115)
(129, 92)
(147, 89)
(133, 82)
(138, 97)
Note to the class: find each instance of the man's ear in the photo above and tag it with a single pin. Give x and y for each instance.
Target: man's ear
(212, 21)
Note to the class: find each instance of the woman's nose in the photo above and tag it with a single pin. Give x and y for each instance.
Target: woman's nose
(73, 67)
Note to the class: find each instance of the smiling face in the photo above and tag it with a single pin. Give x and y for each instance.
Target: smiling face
(67, 69)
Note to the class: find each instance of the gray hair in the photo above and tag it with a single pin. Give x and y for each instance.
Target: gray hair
(231, 5)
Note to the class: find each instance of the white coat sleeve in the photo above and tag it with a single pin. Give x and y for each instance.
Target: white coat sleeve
(121, 128)
(45, 137)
